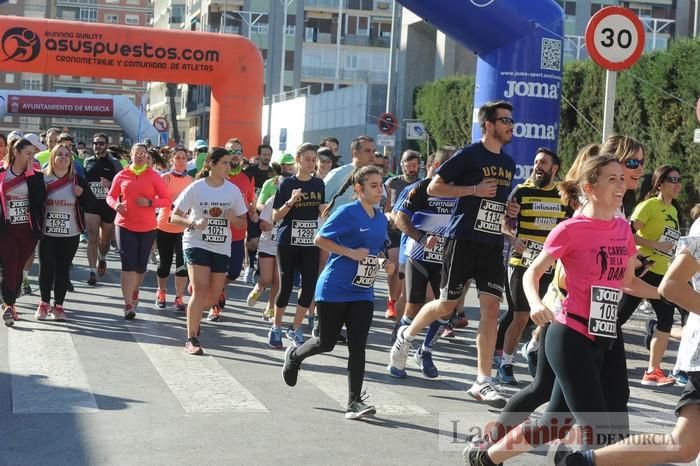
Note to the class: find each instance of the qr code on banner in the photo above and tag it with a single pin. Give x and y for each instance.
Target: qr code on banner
(551, 55)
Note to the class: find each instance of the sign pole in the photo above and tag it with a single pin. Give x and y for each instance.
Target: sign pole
(609, 107)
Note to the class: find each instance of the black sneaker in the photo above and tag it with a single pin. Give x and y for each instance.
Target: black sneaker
(69, 286)
(290, 370)
(358, 409)
(342, 338)
(561, 455)
(92, 281)
(192, 346)
(476, 455)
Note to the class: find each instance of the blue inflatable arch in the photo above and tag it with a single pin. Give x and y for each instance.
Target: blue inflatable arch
(520, 49)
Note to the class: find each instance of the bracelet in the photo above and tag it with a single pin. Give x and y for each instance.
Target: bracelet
(287, 205)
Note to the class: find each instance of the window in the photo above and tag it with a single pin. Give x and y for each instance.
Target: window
(291, 29)
(109, 80)
(357, 25)
(132, 20)
(259, 28)
(31, 84)
(88, 15)
(351, 62)
(133, 2)
(177, 13)
(309, 34)
(360, 4)
(9, 78)
(149, 19)
(570, 8)
(112, 19)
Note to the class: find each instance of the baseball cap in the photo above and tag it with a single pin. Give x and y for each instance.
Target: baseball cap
(200, 144)
(325, 153)
(14, 135)
(35, 140)
(65, 137)
(286, 159)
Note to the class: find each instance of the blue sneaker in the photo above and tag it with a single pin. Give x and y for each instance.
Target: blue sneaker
(424, 359)
(275, 338)
(295, 336)
(506, 376)
(681, 377)
(396, 373)
(651, 328)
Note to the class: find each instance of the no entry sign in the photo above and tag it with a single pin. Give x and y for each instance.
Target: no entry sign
(615, 38)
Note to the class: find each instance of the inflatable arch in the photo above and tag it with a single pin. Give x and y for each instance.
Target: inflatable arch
(231, 65)
(520, 50)
(63, 104)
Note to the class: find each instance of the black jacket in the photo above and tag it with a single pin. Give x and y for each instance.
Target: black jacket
(37, 198)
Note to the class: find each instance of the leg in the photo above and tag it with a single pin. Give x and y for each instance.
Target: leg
(180, 268)
(93, 228)
(48, 252)
(106, 233)
(66, 252)
(331, 317)
(486, 338)
(166, 247)
(199, 277)
(307, 260)
(358, 321)
(285, 268)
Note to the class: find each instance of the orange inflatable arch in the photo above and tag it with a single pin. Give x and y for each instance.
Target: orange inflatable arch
(231, 65)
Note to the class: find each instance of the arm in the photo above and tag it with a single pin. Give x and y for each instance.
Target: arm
(280, 212)
(178, 217)
(675, 286)
(539, 313)
(403, 222)
(635, 286)
(333, 247)
(163, 196)
(114, 193)
(265, 226)
(86, 198)
(439, 187)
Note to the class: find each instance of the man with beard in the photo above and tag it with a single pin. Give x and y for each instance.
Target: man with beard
(247, 188)
(541, 209)
(259, 173)
(479, 175)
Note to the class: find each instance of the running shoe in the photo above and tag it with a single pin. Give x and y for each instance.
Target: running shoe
(42, 311)
(160, 299)
(253, 296)
(681, 377)
(7, 315)
(101, 267)
(461, 321)
(135, 299)
(129, 312)
(449, 332)
(358, 409)
(296, 336)
(249, 276)
(192, 346)
(26, 288)
(505, 375)
(214, 314)
(424, 359)
(487, 393)
(179, 304)
(222, 300)
(268, 314)
(560, 454)
(399, 354)
(57, 312)
(341, 337)
(650, 329)
(656, 378)
(275, 338)
(390, 309)
(476, 455)
(92, 281)
(290, 370)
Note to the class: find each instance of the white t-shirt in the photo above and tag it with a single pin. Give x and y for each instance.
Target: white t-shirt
(203, 201)
(268, 239)
(689, 350)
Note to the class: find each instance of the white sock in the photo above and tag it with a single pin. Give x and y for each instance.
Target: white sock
(406, 336)
(483, 379)
(506, 359)
(93, 270)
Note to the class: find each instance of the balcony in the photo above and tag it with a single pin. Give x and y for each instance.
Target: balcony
(365, 41)
(323, 4)
(315, 73)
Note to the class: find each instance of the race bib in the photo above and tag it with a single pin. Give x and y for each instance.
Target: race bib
(488, 219)
(603, 319)
(98, 190)
(19, 211)
(215, 232)
(303, 232)
(435, 253)
(669, 236)
(532, 250)
(57, 223)
(273, 235)
(366, 272)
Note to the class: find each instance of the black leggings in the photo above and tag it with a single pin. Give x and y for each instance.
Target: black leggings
(292, 258)
(134, 248)
(169, 243)
(663, 309)
(55, 258)
(16, 246)
(357, 317)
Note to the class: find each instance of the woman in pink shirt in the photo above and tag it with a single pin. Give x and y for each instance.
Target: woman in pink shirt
(135, 194)
(597, 251)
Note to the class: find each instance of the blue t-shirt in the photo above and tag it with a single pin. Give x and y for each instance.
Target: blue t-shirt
(429, 214)
(299, 226)
(343, 279)
(479, 219)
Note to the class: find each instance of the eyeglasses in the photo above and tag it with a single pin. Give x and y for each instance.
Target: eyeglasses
(235, 151)
(99, 143)
(202, 149)
(634, 163)
(673, 179)
(505, 120)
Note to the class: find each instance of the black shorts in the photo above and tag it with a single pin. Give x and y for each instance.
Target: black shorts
(515, 294)
(253, 230)
(691, 392)
(418, 275)
(466, 260)
(101, 208)
(394, 238)
(264, 255)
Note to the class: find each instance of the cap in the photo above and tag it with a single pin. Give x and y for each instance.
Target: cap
(200, 144)
(35, 140)
(325, 157)
(286, 159)
(14, 135)
(65, 137)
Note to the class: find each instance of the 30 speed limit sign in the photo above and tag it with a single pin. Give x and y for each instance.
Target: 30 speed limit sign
(615, 38)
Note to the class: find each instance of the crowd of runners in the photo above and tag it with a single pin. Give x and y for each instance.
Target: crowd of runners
(583, 249)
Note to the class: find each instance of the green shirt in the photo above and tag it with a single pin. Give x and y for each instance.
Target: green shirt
(269, 188)
(660, 224)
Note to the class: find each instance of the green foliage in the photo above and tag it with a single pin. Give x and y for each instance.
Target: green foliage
(643, 110)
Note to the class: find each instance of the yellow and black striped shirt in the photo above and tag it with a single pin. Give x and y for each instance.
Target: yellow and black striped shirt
(540, 211)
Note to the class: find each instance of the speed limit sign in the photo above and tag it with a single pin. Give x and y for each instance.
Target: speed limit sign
(615, 38)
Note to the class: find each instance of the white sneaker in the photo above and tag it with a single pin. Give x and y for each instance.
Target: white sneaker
(487, 393)
(399, 354)
(249, 277)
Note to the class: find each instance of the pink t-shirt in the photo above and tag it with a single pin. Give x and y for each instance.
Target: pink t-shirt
(129, 187)
(594, 253)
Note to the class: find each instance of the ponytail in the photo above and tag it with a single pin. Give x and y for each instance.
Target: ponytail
(348, 182)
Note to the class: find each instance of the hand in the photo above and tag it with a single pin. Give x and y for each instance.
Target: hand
(487, 188)
(121, 208)
(665, 247)
(105, 182)
(512, 208)
(389, 267)
(541, 315)
(143, 202)
(296, 195)
(431, 241)
(358, 254)
(77, 190)
(519, 246)
(200, 224)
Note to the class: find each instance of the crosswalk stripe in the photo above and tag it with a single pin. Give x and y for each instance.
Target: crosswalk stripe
(199, 383)
(47, 376)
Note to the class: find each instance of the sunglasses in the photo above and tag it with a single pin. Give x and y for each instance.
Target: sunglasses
(673, 179)
(634, 163)
(505, 120)
(235, 152)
